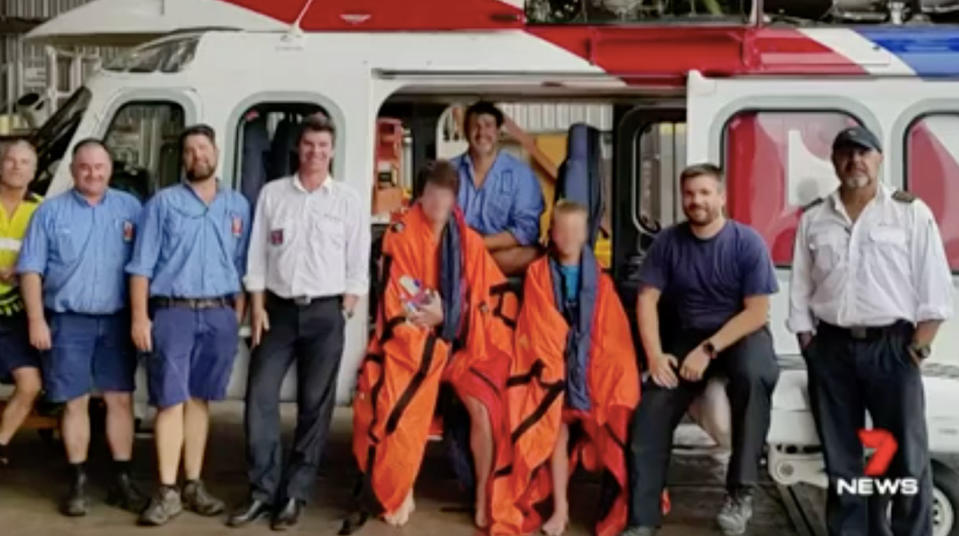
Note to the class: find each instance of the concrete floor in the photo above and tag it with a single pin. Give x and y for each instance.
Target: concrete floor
(29, 490)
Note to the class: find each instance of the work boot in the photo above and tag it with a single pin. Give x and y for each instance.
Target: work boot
(75, 504)
(164, 506)
(639, 531)
(197, 499)
(124, 494)
(736, 513)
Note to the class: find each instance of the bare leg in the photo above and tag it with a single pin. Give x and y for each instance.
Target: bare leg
(481, 443)
(402, 514)
(27, 388)
(559, 466)
(513, 261)
(120, 424)
(196, 426)
(76, 429)
(169, 442)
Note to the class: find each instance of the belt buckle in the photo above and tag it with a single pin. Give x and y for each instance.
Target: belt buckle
(859, 332)
(302, 301)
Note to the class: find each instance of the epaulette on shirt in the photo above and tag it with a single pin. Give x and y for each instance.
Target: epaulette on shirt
(812, 203)
(903, 196)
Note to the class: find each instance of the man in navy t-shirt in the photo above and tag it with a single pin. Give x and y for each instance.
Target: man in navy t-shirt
(717, 276)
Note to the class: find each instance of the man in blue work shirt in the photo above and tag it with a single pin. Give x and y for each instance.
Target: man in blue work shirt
(71, 265)
(186, 269)
(499, 195)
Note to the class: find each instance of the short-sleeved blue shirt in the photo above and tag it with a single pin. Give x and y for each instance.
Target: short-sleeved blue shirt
(707, 280)
(80, 250)
(510, 198)
(188, 249)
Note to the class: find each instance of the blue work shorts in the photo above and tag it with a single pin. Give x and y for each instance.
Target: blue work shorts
(89, 352)
(193, 353)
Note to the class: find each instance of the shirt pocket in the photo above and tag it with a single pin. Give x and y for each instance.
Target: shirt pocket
(499, 206)
(122, 236)
(173, 227)
(66, 245)
(332, 231)
(234, 227)
(889, 244)
(828, 252)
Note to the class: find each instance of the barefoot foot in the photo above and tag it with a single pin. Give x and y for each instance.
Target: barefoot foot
(556, 524)
(480, 516)
(402, 514)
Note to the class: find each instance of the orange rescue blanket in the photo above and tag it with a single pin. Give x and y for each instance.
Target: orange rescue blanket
(399, 380)
(537, 381)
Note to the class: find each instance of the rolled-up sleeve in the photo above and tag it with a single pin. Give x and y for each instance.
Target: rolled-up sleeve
(146, 250)
(34, 248)
(358, 249)
(528, 207)
(932, 278)
(800, 285)
(255, 279)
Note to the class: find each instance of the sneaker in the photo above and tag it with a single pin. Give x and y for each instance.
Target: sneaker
(736, 513)
(639, 531)
(197, 499)
(164, 506)
(124, 494)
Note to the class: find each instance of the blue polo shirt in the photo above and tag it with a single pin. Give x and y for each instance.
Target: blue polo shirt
(708, 279)
(509, 200)
(80, 250)
(188, 249)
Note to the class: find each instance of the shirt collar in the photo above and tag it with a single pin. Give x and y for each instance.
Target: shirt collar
(327, 186)
(883, 193)
(78, 197)
(468, 163)
(185, 184)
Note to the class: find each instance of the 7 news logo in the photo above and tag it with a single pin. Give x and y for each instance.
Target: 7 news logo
(885, 446)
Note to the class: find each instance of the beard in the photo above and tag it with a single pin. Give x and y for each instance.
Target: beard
(701, 216)
(200, 172)
(854, 182)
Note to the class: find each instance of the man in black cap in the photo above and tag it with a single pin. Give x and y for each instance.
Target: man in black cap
(870, 286)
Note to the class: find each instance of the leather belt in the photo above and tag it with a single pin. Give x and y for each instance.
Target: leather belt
(862, 333)
(191, 303)
(302, 301)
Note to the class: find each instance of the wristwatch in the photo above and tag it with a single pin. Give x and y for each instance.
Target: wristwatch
(710, 349)
(922, 351)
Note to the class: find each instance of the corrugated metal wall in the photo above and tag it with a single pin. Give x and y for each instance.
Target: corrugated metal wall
(30, 68)
(39, 9)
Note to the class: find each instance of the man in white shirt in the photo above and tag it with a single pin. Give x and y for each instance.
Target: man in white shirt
(870, 287)
(307, 267)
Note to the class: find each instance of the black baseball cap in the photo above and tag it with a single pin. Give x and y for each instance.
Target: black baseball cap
(858, 136)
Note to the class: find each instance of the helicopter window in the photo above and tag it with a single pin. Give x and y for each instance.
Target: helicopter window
(143, 137)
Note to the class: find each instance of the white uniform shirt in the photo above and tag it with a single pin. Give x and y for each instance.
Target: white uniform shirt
(889, 265)
(309, 244)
